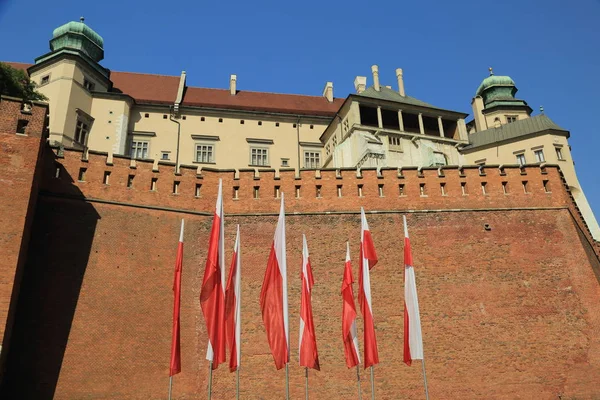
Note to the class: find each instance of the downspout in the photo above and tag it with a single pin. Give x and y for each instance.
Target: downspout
(298, 137)
(178, 137)
(175, 114)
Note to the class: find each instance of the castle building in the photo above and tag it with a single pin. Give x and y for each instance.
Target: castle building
(160, 118)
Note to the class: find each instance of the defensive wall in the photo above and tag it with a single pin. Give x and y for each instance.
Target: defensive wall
(507, 275)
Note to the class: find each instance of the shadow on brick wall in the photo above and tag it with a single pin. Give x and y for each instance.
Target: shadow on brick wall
(61, 241)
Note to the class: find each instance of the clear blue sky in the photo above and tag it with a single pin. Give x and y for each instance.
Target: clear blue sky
(550, 48)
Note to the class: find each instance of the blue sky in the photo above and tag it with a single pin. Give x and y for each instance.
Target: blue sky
(550, 49)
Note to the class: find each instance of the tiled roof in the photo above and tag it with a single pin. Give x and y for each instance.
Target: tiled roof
(261, 101)
(522, 127)
(18, 65)
(146, 88)
(162, 89)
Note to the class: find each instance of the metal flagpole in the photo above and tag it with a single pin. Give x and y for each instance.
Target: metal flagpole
(170, 386)
(372, 385)
(237, 390)
(306, 373)
(210, 380)
(287, 383)
(425, 379)
(358, 381)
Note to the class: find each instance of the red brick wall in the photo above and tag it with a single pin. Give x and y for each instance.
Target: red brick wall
(10, 114)
(512, 312)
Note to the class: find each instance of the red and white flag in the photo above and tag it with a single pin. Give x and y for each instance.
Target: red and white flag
(175, 367)
(349, 316)
(309, 357)
(413, 339)
(274, 299)
(368, 259)
(233, 307)
(212, 295)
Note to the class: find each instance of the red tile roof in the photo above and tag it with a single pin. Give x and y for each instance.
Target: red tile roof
(162, 89)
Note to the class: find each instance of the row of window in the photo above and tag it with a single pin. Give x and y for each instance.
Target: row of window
(242, 121)
(318, 188)
(538, 155)
(205, 154)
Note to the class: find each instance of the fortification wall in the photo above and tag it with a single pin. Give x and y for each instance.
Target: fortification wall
(508, 295)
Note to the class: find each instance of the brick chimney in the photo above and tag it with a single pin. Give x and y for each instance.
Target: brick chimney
(328, 92)
(233, 85)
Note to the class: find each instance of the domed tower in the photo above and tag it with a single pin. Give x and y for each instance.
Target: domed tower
(495, 103)
(70, 76)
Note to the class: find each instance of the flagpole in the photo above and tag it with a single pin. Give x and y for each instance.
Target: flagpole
(210, 379)
(287, 383)
(237, 389)
(170, 386)
(372, 385)
(306, 373)
(425, 379)
(358, 380)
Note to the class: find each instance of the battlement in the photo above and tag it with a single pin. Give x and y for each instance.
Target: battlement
(103, 177)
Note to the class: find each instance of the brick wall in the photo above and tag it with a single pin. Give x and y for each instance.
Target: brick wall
(21, 165)
(510, 312)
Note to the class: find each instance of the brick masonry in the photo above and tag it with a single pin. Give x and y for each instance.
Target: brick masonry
(510, 312)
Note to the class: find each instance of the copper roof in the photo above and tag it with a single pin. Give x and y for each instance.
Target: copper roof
(162, 89)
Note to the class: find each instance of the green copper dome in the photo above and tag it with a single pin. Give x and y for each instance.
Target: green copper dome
(78, 36)
(494, 80)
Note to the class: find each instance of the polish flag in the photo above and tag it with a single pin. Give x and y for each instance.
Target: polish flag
(368, 259)
(413, 339)
(309, 357)
(274, 299)
(233, 306)
(212, 295)
(349, 316)
(175, 367)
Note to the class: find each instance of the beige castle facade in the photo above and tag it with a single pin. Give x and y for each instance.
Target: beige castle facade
(159, 117)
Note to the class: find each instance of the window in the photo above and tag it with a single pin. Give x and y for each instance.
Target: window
(259, 123)
(106, 177)
(525, 187)
(88, 84)
(139, 149)
(146, 115)
(202, 119)
(401, 189)
(81, 176)
(276, 191)
(505, 187)
(21, 126)
(463, 188)
(546, 186)
(360, 190)
(521, 159)
(197, 191)
(439, 159)
(339, 190)
(539, 155)
(511, 118)
(164, 116)
(422, 189)
(130, 181)
(312, 159)
(45, 80)
(395, 143)
(153, 184)
(184, 118)
(81, 132)
(380, 187)
(559, 153)
(484, 188)
(285, 162)
(259, 156)
(443, 189)
(205, 153)
(164, 155)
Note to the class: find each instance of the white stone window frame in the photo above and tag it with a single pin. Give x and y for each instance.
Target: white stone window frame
(395, 143)
(211, 155)
(47, 76)
(538, 154)
(521, 155)
(558, 149)
(312, 158)
(259, 156)
(139, 145)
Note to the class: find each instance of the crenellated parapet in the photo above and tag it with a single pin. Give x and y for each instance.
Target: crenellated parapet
(111, 178)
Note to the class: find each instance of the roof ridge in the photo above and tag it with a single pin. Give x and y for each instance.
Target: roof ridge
(259, 92)
(146, 73)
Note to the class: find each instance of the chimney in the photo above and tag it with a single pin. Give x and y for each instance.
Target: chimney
(328, 92)
(360, 84)
(375, 70)
(233, 85)
(400, 82)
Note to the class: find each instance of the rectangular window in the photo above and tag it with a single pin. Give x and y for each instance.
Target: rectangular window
(285, 162)
(521, 159)
(259, 156)
(484, 188)
(318, 191)
(539, 156)
(139, 149)
(297, 191)
(422, 189)
(312, 159)
(106, 177)
(153, 184)
(505, 187)
(360, 190)
(256, 190)
(205, 153)
(276, 192)
(22, 126)
(81, 132)
(236, 192)
(339, 190)
(395, 143)
(546, 186)
(197, 191)
(88, 84)
(463, 188)
(380, 190)
(176, 187)
(511, 118)
(525, 187)
(81, 177)
(164, 155)
(443, 189)
(401, 189)
(130, 181)
(45, 80)
(559, 153)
